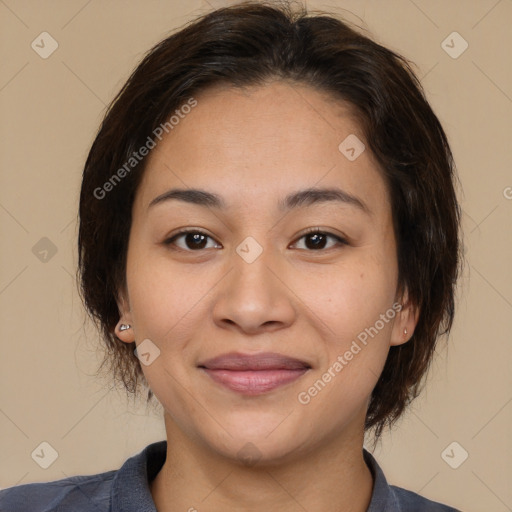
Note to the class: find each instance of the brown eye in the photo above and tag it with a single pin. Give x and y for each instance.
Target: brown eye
(193, 240)
(196, 240)
(317, 240)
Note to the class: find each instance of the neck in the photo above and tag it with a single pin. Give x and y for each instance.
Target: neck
(333, 477)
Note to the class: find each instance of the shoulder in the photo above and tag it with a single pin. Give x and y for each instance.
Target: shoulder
(391, 498)
(77, 493)
(124, 489)
(410, 501)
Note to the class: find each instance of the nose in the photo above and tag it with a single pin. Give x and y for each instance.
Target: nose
(254, 297)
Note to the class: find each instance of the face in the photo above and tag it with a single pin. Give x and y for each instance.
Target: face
(250, 279)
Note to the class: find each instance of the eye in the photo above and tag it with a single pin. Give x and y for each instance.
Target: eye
(318, 239)
(194, 239)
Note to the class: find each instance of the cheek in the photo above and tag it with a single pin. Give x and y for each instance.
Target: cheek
(348, 304)
(356, 345)
(165, 304)
(163, 291)
(350, 296)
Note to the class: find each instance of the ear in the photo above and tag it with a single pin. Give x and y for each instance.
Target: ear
(125, 317)
(405, 320)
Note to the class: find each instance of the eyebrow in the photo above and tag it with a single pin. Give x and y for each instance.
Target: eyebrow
(301, 198)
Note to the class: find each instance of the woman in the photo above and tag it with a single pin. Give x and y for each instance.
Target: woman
(269, 242)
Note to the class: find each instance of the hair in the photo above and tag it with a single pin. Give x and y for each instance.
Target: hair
(252, 44)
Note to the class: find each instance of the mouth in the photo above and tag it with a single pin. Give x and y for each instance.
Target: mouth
(254, 374)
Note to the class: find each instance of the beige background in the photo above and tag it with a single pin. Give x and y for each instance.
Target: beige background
(50, 111)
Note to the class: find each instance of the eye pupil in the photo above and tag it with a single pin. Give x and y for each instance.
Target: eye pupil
(197, 237)
(317, 237)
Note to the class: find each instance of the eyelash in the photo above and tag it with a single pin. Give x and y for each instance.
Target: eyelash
(311, 231)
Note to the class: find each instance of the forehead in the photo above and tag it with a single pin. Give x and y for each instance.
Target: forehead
(246, 144)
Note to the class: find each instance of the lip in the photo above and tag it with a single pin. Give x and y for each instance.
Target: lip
(253, 374)
(260, 361)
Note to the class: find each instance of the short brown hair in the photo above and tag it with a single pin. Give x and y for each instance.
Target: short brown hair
(248, 45)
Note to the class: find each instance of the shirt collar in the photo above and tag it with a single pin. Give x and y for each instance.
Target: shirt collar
(383, 497)
(130, 487)
(131, 491)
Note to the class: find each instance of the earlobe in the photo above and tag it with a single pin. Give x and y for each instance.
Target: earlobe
(124, 327)
(124, 332)
(405, 322)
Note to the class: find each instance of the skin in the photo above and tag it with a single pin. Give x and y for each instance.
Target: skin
(253, 147)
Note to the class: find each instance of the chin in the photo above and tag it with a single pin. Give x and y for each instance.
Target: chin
(261, 444)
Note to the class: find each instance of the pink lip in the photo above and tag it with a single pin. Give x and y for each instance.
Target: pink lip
(250, 382)
(254, 374)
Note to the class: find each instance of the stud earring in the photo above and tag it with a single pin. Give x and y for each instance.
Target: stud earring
(124, 327)
(405, 330)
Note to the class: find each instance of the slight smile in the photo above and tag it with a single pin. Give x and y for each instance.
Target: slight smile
(254, 374)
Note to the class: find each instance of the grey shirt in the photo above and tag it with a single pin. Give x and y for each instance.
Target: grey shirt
(127, 490)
